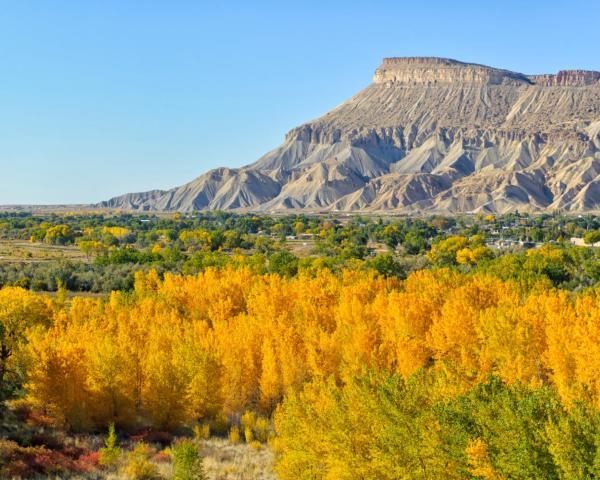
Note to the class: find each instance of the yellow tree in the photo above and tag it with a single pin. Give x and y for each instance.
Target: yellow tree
(270, 378)
(406, 317)
(195, 355)
(20, 310)
(57, 376)
(164, 383)
(453, 335)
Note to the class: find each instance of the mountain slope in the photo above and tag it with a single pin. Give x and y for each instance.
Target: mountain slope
(429, 134)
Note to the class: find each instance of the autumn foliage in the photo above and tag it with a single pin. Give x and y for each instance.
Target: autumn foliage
(359, 369)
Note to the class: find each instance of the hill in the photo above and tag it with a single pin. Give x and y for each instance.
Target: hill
(428, 134)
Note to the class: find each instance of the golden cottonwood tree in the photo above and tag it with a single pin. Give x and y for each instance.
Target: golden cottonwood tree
(186, 348)
(20, 311)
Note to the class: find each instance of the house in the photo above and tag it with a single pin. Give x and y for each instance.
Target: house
(306, 236)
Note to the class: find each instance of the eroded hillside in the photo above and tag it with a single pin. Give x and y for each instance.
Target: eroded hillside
(428, 134)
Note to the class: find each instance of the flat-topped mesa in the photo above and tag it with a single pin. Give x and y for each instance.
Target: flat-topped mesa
(435, 70)
(567, 78)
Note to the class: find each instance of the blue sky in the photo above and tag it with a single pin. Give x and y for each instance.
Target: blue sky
(99, 98)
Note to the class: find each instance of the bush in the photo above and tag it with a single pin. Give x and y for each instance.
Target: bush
(248, 420)
(90, 460)
(164, 456)
(202, 432)
(220, 424)
(255, 427)
(26, 462)
(256, 445)
(262, 429)
(138, 466)
(21, 408)
(187, 462)
(248, 435)
(234, 435)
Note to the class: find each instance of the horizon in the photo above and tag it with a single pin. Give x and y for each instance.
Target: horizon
(105, 99)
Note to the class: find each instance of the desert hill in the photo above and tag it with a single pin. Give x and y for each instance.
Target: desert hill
(428, 134)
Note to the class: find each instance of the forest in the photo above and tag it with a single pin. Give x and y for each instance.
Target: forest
(453, 360)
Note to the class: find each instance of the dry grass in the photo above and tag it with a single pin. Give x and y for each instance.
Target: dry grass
(23, 251)
(226, 461)
(222, 461)
(301, 248)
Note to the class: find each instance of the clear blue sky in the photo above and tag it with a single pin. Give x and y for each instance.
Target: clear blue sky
(99, 98)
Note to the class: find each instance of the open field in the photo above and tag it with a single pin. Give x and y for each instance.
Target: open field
(226, 461)
(12, 251)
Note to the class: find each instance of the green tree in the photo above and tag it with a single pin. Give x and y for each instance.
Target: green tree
(283, 263)
(110, 453)
(574, 442)
(187, 461)
(510, 420)
(414, 242)
(388, 266)
(592, 237)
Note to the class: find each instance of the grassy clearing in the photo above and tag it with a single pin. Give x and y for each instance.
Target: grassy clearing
(222, 460)
(12, 251)
(226, 461)
(32, 447)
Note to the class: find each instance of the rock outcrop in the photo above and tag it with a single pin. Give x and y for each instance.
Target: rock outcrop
(434, 70)
(429, 134)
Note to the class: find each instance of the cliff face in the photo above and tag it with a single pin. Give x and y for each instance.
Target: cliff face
(567, 78)
(433, 71)
(429, 134)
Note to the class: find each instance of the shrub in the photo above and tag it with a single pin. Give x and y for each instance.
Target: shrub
(248, 420)
(255, 427)
(187, 462)
(17, 461)
(25, 462)
(37, 418)
(110, 454)
(89, 461)
(256, 445)
(7, 448)
(10, 462)
(164, 456)
(21, 408)
(202, 432)
(138, 466)
(219, 424)
(262, 429)
(73, 452)
(248, 435)
(234, 435)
